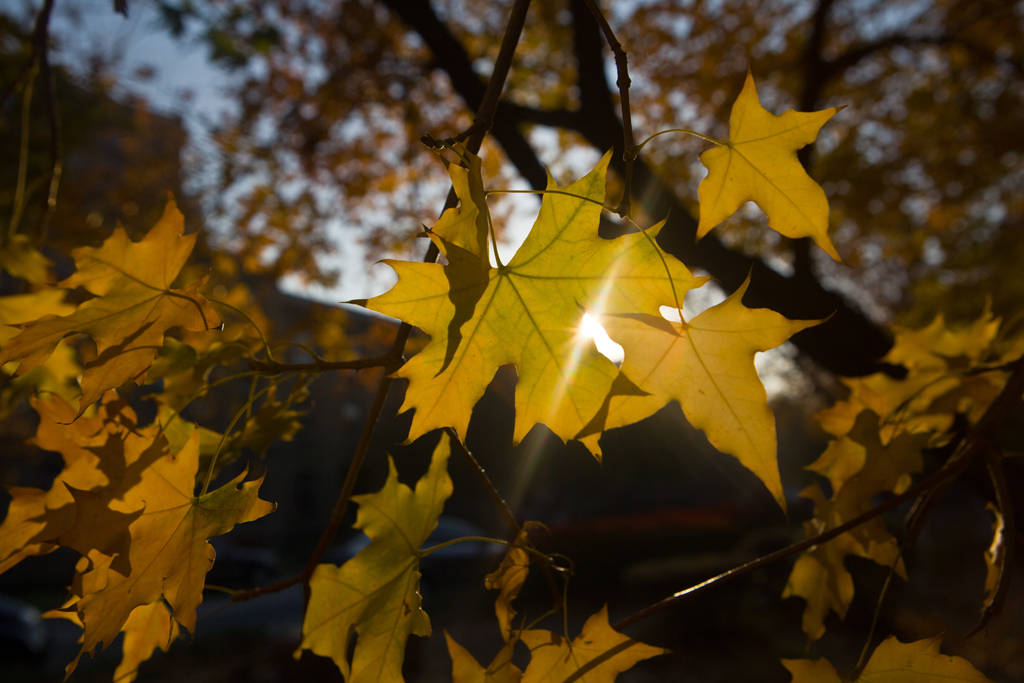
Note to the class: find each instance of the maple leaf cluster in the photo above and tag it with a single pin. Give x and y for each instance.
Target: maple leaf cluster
(880, 434)
(527, 313)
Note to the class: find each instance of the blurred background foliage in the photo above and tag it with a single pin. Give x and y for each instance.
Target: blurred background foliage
(324, 107)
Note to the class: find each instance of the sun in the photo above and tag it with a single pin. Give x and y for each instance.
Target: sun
(591, 329)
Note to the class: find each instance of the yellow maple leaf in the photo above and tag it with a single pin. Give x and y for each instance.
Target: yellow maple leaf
(936, 386)
(148, 627)
(759, 163)
(707, 366)
(526, 313)
(132, 308)
(169, 554)
(553, 658)
(465, 668)
(894, 662)
(374, 597)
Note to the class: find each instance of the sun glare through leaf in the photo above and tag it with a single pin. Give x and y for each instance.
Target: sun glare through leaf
(591, 329)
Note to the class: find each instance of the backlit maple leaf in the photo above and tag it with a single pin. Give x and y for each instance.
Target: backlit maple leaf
(374, 597)
(759, 163)
(707, 366)
(526, 313)
(859, 468)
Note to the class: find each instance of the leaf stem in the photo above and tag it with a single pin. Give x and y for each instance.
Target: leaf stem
(561, 192)
(685, 131)
(481, 474)
(423, 552)
(239, 311)
(253, 396)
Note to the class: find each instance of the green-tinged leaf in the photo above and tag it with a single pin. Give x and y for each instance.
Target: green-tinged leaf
(759, 163)
(465, 668)
(894, 662)
(526, 313)
(374, 597)
(553, 658)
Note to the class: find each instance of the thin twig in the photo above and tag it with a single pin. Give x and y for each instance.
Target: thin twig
(19, 186)
(56, 170)
(863, 657)
(920, 487)
(481, 474)
(354, 468)
(273, 367)
(502, 65)
(39, 64)
(975, 444)
(622, 81)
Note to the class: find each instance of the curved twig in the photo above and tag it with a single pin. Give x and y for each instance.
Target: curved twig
(975, 444)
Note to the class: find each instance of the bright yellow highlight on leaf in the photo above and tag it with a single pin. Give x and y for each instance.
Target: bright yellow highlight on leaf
(374, 597)
(132, 308)
(759, 163)
(526, 313)
(894, 662)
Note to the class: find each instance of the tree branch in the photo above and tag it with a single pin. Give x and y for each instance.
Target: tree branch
(975, 444)
(629, 151)
(41, 37)
(272, 367)
(455, 61)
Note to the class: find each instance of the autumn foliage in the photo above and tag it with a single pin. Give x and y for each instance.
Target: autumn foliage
(136, 498)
